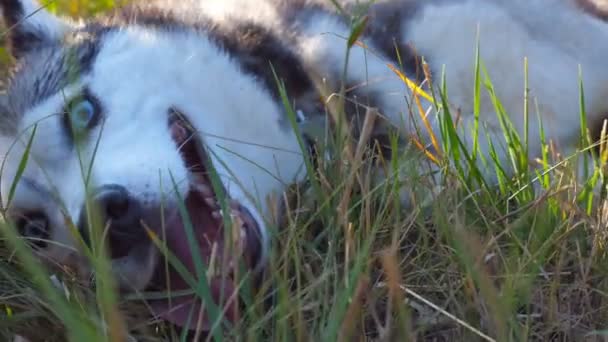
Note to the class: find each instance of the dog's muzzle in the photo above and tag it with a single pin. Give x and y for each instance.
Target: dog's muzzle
(148, 243)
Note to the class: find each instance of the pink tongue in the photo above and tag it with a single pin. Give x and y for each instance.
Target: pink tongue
(182, 307)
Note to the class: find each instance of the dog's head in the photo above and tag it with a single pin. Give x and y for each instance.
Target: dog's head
(150, 122)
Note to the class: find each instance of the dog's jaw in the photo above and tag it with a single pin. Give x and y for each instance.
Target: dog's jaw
(207, 231)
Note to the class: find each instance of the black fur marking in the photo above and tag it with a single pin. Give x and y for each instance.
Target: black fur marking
(12, 11)
(21, 42)
(385, 30)
(22, 37)
(262, 54)
(255, 48)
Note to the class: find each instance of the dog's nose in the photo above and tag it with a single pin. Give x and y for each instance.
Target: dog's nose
(116, 204)
(120, 213)
(34, 226)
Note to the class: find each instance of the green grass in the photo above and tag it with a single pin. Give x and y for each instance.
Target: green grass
(478, 263)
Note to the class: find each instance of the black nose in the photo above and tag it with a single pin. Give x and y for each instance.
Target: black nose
(118, 212)
(34, 226)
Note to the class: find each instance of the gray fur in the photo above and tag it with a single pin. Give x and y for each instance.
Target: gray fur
(43, 73)
(6, 126)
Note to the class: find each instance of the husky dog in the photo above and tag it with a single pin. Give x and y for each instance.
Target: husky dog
(165, 107)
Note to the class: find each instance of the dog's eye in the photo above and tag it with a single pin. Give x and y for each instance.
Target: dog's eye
(82, 114)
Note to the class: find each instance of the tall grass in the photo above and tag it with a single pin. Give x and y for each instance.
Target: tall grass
(484, 261)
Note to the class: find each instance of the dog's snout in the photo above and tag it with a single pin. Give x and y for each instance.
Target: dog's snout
(120, 213)
(34, 226)
(116, 204)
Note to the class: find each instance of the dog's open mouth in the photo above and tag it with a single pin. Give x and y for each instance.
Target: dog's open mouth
(222, 249)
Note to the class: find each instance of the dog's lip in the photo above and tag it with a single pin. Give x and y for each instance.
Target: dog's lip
(220, 252)
(191, 148)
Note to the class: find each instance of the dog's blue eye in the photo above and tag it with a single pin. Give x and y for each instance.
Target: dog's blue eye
(82, 113)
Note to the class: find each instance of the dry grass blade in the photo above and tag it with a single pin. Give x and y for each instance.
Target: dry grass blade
(417, 91)
(347, 330)
(443, 312)
(368, 127)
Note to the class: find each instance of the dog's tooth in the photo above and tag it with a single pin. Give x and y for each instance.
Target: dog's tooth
(211, 202)
(217, 214)
(235, 213)
(200, 185)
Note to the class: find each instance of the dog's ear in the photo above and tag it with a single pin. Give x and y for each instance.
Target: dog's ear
(30, 26)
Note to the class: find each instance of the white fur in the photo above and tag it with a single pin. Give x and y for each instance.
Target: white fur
(555, 38)
(226, 10)
(237, 118)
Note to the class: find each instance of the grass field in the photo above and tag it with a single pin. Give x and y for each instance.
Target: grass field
(475, 263)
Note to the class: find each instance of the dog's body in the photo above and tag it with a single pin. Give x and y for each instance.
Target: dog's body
(132, 88)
